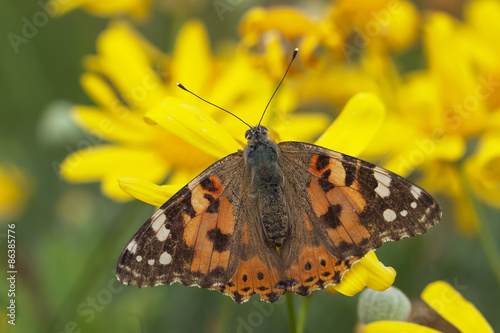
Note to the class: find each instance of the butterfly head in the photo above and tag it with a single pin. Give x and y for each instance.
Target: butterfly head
(257, 133)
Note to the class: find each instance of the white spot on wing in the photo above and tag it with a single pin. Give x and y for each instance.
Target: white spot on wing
(132, 246)
(382, 190)
(389, 215)
(382, 178)
(151, 262)
(165, 258)
(158, 222)
(163, 234)
(404, 213)
(383, 184)
(413, 205)
(416, 192)
(138, 258)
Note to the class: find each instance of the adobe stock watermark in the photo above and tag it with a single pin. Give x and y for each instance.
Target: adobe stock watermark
(252, 321)
(88, 309)
(375, 27)
(96, 136)
(223, 6)
(30, 26)
(453, 119)
(427, 315)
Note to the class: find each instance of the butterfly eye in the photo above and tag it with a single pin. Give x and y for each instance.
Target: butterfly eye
(264, 130)
(248, 134)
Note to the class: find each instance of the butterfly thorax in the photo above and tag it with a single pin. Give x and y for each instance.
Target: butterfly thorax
(261, 155)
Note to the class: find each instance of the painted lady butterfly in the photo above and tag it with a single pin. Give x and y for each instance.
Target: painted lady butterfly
(275, 218)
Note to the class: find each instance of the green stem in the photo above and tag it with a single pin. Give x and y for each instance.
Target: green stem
(487, 241)
(304, 309)
(291, 312)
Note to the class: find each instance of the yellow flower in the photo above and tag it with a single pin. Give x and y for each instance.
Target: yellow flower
(137, 9)
(447, 302)
(483, 169)
(352, 130)
(15, 191)
(132, 81)
(377, 26)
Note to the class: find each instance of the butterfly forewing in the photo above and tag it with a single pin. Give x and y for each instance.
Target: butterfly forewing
(192, 237)
(354, 205)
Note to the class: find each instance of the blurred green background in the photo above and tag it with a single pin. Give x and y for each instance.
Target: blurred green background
(69, 237)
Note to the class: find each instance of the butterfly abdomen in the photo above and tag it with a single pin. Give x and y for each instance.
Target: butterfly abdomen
(267, 188)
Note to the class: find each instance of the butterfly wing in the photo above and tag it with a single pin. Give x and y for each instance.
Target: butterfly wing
(207, 234)
(191, 238)
(350, 208)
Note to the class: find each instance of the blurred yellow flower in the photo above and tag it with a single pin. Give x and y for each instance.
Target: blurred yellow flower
(448, 303)
(132, 81)
(483, 169)
(15, 191)
(137, 9)
(344, 28)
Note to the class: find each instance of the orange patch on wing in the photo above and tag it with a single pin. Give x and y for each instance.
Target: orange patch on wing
(317, 198)
(191, 230)
(337, 176)
(348, 216)
(226, 219)
(217, 184)
(355, 198)
(325, 263)
(312, 166)
(198, 200)
(244, 233)
(253, 276)
(219, 259)
(315, 268)
(203, 246)
(307, 221)
(339, 235)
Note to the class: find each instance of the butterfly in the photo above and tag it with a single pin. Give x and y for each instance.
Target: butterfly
(275, 218)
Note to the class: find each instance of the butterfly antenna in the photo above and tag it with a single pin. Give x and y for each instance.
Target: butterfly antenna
(204, 100)
(290, 64)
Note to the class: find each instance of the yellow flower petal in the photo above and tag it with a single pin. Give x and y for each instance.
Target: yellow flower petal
(120, 48)
(358, 123)
(193, 126)
(102, 93)
(397, 327)
(109, 163)
(192, 59)
(301, 127)
(258, 20)
(368, 272)
(148, 192)
(454, 308)
(403, 24)
(483, 16)
(380, 277)
(15, 190)
(124, 127)
(483, 169)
